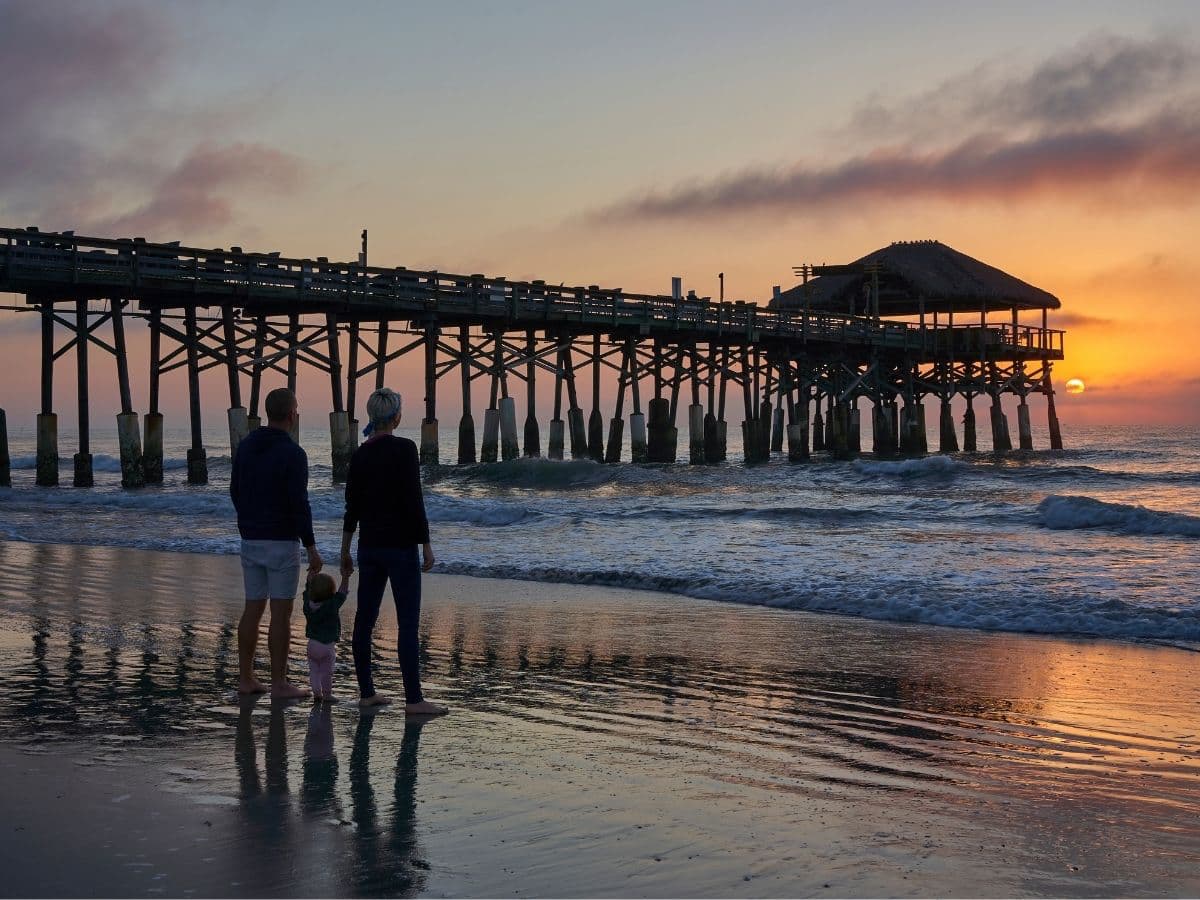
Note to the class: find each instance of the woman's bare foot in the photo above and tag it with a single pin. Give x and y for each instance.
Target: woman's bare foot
(285, 690)
(425, 708)
(253, 686)
(374, 700)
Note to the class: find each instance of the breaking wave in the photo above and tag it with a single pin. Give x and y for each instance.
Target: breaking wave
(1069, 512)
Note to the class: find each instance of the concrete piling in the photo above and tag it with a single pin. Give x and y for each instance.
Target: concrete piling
(696, 434)
(661, 446)
(489, 449)
(1024, 431)
(5, 460)
(557, 442)
(533, 437)
(638, 447)
(129, 441)
(596, 435)
(47, 449)
(341, 447)
(197, 459)
(508, 429)
(578, 433)
(722, 440)
(429, 443)
(712, 442)
(777, 431)
(466, 439)
(152, 447)
(616, 434)
(970, 444)
(947, 439)
(1001, 441)
(818, 429)
(239, 427)
(1056, 442)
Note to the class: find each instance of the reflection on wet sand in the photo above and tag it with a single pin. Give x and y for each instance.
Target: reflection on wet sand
(716, 707)
(374, 851)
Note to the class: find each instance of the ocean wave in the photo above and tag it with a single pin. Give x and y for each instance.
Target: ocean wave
(890, 599)
(536, 473)
(1070, 512)
(927, 466)
(101, 462)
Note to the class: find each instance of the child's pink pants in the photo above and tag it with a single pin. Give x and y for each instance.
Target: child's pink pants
(320, 667)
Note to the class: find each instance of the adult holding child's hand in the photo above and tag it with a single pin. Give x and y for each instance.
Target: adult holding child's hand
(383, 496)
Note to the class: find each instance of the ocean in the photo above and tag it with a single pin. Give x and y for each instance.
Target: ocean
(1101, 539)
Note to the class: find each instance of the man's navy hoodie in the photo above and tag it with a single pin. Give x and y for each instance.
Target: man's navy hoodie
(269, 487)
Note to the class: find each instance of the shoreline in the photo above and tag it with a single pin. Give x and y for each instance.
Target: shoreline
(588, 582)
(598, 745)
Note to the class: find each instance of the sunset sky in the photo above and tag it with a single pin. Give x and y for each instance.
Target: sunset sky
(622, 143)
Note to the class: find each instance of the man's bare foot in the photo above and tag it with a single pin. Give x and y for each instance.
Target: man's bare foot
(425, 708)
(285, 690)
(374, 700)
(317, 698)
(253, 686)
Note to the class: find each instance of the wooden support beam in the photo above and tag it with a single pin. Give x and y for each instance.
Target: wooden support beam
(197, 462)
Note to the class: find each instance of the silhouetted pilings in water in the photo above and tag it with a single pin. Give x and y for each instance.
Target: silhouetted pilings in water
(801, 377)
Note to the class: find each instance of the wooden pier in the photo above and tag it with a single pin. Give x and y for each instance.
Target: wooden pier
(801, 363)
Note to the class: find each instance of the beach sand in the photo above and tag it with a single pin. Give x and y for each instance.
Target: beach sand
(602, 742)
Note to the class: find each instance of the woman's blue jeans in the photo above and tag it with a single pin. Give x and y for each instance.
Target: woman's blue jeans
(376, 567)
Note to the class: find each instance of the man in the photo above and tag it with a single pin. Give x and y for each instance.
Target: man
(269, 487)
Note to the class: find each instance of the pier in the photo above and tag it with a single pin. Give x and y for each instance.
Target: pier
(881, 329)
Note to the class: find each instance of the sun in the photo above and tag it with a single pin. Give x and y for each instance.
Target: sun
(1075, 386)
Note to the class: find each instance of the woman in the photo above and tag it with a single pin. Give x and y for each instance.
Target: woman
(383, 494)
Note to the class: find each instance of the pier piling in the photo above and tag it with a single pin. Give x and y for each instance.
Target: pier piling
(129, 440)
(1024, 430)
(466, 424)
(947, 439)
(152, 424)
(197, 460)
(533, 438)
(5, 459)
(429, 425)
(83, 459)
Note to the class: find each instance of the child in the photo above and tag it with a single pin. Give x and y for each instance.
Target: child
(323, 628)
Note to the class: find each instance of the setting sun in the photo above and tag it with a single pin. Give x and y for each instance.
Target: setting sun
(1075, 386)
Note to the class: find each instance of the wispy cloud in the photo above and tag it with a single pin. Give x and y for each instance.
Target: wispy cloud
(1080, 320)
(79, 91)
(1112, 118)
(198, 191)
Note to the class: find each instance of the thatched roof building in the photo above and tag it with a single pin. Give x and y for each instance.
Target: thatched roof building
(915, 275)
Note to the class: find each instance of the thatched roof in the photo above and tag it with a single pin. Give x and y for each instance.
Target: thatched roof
(912, 271)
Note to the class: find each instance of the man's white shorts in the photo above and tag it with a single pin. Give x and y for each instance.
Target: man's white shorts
(271, 569)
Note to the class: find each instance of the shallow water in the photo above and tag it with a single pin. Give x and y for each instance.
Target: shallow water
(1100, 539)
(601, 744)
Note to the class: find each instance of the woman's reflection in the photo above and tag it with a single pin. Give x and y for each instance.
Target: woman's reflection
(387, 860)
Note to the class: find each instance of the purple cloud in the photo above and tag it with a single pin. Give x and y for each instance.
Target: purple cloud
(79, 90)
(1113, 113)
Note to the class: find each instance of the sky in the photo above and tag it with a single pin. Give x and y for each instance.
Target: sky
(623, 143)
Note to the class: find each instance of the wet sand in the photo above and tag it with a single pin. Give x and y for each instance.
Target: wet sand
(602, 742)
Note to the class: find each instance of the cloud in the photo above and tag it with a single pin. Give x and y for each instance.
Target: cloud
(81, 87)
(1080, 320)
(1111, 120)
(1158, 157)
(196, 193)
(1104, 78)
